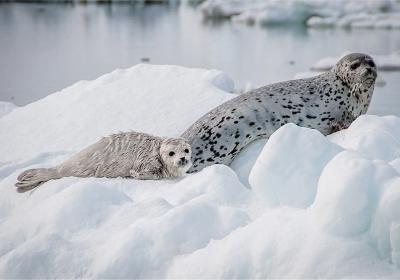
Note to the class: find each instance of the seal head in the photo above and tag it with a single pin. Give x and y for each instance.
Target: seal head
(358, 71)
(176, 154)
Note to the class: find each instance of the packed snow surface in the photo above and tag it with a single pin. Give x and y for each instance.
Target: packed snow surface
(323, 12)
(299, 205)
(6, 108)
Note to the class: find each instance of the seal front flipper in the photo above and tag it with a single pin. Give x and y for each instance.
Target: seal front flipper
(145, 174)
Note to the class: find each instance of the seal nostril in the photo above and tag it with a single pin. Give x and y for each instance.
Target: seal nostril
(182, 159)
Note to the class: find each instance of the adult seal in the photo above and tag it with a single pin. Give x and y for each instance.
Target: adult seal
(328, 102)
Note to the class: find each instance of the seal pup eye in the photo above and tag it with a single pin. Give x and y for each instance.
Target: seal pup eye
(186, 151)
(355, 66)
(171, 153)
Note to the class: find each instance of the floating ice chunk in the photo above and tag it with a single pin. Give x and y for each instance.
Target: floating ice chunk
(365, 23)
(288, 169)
(248, 17)
(224, 8)
(364, 20)
(326, 63)
(353, 7)
(380, 6)
(315, 21)
(290, 11)
(346, 20)
(276, 14)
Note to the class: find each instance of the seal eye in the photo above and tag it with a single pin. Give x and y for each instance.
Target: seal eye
(171, 153)
(186, 151)
(355, 66)
(371, 63)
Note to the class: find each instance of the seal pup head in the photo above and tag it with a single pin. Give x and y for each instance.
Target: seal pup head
(358, 71)
(176, 155)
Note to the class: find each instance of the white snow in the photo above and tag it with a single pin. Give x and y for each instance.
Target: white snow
(317, 13)
(155, 100)
(320, 207)
(348, 182)
(288, 169)
(6, 108)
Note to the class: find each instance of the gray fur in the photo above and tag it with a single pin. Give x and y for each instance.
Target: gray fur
(328, 103)
(133, 154)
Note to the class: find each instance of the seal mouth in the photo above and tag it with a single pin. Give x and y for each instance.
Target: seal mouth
(369, 81)
(182, 162)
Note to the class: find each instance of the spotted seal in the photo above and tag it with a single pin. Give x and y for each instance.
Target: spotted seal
(328, 103)
(132, 154)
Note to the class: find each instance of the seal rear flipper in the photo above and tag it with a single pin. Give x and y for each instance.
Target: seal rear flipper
(25, 186)
(32, 178)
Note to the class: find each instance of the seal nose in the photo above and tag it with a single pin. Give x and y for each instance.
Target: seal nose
(183, 161)
(370, 71)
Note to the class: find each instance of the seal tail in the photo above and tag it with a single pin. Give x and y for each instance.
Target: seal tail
(33, 178)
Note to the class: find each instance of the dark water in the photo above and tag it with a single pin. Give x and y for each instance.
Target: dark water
(47, 47)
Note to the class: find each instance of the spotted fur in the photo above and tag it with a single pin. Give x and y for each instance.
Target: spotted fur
(328, 103)
(133, 155)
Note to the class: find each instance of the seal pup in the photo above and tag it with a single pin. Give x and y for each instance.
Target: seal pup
(133, 155)
(328, 102)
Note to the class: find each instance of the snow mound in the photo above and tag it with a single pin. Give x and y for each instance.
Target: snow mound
(289, 166)
(348, 182)
(6, 108)
(335, 199)
(143, 98)
(383, 62)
